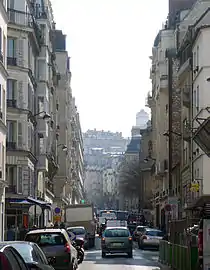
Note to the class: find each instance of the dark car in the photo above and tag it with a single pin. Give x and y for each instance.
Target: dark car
(31, 253)
(56, 245)
(10, 259)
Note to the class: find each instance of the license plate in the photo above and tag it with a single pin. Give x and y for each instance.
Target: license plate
(117, 244)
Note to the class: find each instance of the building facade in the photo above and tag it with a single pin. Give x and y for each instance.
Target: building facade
(3, 111)
(33, 82)
(180, 110)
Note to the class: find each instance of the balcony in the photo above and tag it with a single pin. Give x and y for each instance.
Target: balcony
(11, 61)
(24, 19)
(11, 189)
(11, 146)
(11, 103)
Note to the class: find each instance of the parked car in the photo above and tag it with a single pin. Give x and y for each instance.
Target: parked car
(150, 238)
(31, 254)
(138, 232)
(10, 259)
(79, 232)
(56, 245)
(117, 240)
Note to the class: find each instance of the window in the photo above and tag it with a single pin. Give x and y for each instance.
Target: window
(11, 131)
(20, 134)
(11, 47)
(77, 231)
(197, 62)
(11, 86)
(194, 60)
(41, 145)
(47, 239)
(155, 233)
(116, 233)
(11, 176)
(197, 98)
(41, 104)
(4, 47)
(20, 180)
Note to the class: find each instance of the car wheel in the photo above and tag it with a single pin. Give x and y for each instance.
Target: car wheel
(103, 254)
(130, 254)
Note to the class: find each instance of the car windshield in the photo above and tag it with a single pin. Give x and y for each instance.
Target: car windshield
(116, 233)
(26, 251)
(77, 231)
(140, 229)
(46, 239)
(155, 233)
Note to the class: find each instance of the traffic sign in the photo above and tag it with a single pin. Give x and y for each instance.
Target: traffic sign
(35, 209)
(57, 210)
(57, 218)
(72, 236)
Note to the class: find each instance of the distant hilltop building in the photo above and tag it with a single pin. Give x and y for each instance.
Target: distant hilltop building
(109, 141)
(142, 118)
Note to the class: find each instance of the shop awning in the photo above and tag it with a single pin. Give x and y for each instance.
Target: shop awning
(42, 204)
(18, 201)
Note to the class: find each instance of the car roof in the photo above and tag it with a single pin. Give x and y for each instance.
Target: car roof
(114, 228)
(76, 227)
(5, 244)
(46, 231)
(151, 229)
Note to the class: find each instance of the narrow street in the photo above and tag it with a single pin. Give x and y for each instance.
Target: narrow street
(142, 260)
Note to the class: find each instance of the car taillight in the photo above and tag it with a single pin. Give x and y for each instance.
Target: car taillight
(130, 238)
(67, 248)
(103, 239)
(200, 243)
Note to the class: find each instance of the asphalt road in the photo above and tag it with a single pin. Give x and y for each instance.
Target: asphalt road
(142, 260)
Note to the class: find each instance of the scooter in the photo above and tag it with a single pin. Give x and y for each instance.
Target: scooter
(79, 244)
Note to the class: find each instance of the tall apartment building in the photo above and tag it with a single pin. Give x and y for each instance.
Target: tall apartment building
(70, 176)
(183, 164)
(3, 129)
(31, 118)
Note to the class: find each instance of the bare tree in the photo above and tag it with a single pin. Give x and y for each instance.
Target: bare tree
(130, 178)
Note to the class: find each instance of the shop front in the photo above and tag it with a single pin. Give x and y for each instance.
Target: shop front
(17, 215)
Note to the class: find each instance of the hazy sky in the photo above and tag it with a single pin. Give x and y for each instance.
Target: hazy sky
(110, 42)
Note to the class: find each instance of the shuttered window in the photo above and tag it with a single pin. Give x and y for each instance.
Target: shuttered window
(20, 180)
(20, 134)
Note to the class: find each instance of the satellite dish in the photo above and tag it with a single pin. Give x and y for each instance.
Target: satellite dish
(35, 209)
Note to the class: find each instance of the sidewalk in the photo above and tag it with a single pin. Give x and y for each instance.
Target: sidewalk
(165, 267)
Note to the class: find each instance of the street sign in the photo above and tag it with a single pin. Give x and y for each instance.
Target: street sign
(57, 218)
(57, 210)
(72, 236)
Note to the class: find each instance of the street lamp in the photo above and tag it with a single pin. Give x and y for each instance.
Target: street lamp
(64, 147)
(46, 116)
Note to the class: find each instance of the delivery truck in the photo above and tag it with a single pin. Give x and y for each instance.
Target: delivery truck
(82, 215)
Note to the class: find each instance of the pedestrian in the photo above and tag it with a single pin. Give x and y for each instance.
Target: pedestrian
(56, 225)
(23, 232)
(11, 233)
